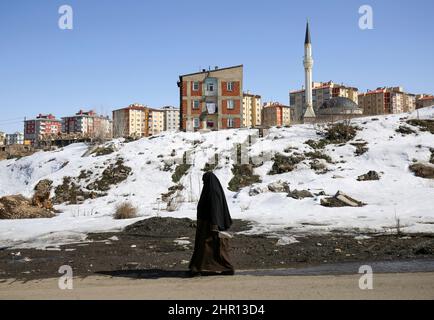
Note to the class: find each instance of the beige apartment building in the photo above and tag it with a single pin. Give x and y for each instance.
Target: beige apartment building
(156, 121)
(424, 100)
(211, 99)
(132, 121)
(321, 92)
(275, 114)
(384, 100)
(2, 138)
(252, 110)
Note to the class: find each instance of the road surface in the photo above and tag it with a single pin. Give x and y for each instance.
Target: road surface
(244, 287)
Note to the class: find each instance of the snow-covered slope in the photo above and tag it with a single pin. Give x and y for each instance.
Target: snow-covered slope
(397, 195)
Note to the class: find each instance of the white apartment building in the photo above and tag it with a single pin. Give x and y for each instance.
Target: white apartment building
(171, 118)
(14, 138)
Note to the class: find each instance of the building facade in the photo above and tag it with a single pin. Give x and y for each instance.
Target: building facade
(211, 99)
(275, 114)
(424, 100)
(252, 110)
(384, 100)
(156, 121)
(14, 138)
(87, 124)
(321, 92)
(41, 127)
(132, 121)
(171, 118)
(2, 138)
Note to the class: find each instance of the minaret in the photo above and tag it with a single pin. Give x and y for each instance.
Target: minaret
(308, 65)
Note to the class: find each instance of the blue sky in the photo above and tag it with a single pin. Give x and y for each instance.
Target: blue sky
(121, 52)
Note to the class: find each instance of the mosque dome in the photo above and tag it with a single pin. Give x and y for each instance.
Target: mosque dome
(339, 105)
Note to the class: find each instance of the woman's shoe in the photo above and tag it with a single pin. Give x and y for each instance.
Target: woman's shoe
(194, 274)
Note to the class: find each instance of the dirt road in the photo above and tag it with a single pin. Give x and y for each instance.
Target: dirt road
(386, 286)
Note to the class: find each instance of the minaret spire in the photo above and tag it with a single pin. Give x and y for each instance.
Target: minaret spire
(307, 39)
(308, 66)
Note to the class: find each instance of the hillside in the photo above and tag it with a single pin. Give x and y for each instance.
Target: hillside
(142, 171)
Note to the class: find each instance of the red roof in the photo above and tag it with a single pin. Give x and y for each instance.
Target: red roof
(427, 98)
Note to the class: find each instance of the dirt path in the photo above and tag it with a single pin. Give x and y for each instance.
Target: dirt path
(386, 286)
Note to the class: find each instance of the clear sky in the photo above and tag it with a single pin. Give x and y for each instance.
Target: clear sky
(121, 52)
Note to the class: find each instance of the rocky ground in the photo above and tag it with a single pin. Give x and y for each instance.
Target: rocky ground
(167, 244)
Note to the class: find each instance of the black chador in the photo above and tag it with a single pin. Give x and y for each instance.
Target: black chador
(211, 248)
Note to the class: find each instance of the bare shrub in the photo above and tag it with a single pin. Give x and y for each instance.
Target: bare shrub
(125, 211)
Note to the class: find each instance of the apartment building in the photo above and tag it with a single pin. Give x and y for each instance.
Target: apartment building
(87, 124)
(275, 114)
(424, 100)
(321, 92)
(132, 121)
(171, 118)
(384, 100)
(211, 99)
(2, 138)
(42, 126)
(252, 110)
(156, 121)
(14, 138)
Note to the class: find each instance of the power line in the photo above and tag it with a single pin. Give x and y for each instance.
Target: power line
(12, 122)
(13, 119)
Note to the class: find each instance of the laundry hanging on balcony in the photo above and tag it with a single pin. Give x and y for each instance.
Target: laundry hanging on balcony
(211, 108)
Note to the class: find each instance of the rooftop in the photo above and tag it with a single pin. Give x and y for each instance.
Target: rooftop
(427, 98)
(211, 70)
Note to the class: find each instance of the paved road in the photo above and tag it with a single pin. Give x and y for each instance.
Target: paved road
(386, 286)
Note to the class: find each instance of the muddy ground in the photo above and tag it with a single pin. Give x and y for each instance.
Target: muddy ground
(150, 245)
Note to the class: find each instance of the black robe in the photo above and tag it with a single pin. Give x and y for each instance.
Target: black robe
(211, 252)
(212, 205)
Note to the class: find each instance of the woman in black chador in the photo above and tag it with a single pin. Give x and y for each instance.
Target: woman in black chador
(213, 219)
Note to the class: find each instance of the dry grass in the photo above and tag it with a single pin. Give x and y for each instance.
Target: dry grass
(125, 211)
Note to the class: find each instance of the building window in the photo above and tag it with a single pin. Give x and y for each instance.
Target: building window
(210, 87)
(230, 123)
(196, 104)
(230, 86)
(195, 85)
(196, 123)
(231, 104)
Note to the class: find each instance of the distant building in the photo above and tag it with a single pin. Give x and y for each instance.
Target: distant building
(2, 138)
(88, 124)
(275, 114)
(424, 100)
(171, 118)
(14, 138)
(384, 100)
(156, 121)
(42, 126)
(321, 92)
(252, 110)
(132, 121)
(211, 99)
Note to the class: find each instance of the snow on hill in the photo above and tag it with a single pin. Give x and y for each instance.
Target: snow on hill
(399, 194)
